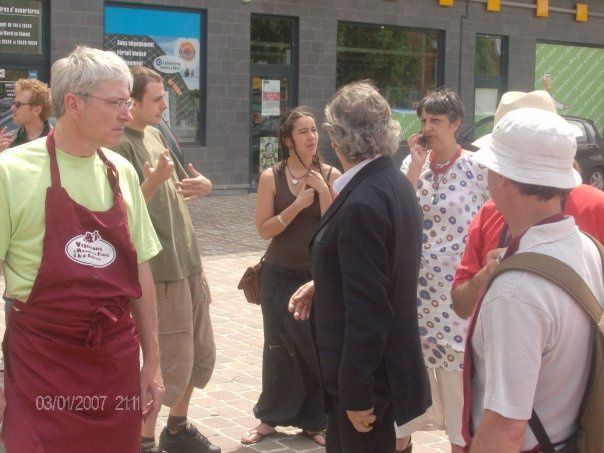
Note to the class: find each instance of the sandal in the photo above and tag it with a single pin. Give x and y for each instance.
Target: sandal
(253, 437)
(318, 437)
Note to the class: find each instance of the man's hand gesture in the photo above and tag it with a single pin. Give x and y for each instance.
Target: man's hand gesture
(162, 171)
(196, 186)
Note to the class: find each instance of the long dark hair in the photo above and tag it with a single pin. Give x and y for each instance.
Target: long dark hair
(286, 126)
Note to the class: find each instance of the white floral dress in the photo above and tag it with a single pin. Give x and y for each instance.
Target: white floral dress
(448, 210)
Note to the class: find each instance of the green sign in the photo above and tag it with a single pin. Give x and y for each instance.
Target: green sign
(573, 75)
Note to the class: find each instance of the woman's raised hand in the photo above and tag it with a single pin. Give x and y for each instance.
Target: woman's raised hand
(315, 181)
(419, 153)
(305, 197)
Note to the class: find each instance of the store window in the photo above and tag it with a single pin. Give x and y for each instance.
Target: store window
(173, 43)
(404, 64)
(24, 44)
(491, 75)
(272, 40)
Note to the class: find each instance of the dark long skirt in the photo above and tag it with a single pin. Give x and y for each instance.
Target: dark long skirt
(291, 392)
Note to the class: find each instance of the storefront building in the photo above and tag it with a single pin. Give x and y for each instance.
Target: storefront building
(231, 67)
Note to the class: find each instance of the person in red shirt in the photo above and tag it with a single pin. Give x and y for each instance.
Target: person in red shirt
(487, 233)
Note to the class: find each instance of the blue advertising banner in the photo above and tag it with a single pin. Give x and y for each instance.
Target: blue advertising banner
(170, 42)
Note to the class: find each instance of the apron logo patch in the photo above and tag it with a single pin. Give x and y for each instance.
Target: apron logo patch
(90, 249)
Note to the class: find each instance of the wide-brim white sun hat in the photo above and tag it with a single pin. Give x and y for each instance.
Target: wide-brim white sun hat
(532, 146)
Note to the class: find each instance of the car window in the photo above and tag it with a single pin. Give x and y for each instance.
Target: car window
(482, 128)
(581, 127)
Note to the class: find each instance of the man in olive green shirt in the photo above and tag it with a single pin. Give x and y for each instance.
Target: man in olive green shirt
(186, 342)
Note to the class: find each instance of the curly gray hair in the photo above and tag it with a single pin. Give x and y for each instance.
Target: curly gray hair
(359, 122)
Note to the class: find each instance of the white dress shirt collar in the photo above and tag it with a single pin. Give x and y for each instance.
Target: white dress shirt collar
(343, 180)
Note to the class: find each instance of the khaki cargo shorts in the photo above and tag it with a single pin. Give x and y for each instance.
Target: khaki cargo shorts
(186, 340)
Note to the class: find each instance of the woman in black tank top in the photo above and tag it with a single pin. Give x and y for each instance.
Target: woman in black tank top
(292, 197)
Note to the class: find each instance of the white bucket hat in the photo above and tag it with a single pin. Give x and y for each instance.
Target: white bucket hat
(532, 146)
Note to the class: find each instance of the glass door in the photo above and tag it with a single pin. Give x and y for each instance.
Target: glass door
(270, 99)
(273, 87)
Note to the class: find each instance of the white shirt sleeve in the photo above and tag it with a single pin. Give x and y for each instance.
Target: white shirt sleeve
(516, 334)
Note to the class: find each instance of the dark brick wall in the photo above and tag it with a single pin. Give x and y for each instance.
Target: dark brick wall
(225, 157)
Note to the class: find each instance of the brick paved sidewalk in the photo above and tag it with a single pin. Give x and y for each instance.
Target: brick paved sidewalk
(223, 411)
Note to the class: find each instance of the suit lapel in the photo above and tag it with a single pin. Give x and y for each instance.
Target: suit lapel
(376, 165)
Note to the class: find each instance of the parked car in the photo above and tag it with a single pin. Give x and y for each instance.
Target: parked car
(6, 119)
(590, 148)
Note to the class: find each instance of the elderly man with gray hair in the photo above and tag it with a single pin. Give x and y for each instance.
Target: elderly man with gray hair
(365, 262)
(75, 240)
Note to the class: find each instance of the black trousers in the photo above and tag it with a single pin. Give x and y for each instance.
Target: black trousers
(291, 389)
(343, 438)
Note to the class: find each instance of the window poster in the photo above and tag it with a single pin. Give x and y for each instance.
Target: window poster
(573, 76)
(21, 27)
(269, 152)
(168, 41)
(271, 97)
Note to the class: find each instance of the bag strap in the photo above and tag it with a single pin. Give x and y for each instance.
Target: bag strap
(558, 272)
(564, 276)
(540, 434)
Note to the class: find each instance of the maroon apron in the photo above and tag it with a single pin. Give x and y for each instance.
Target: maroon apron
(466, 427)
(72, 379)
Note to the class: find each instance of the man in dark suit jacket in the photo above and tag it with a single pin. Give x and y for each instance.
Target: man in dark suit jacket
(365, 260)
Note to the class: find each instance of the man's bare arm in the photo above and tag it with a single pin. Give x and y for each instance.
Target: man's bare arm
(498, 434)
(144, 313)
(156, 176)
(465, 295)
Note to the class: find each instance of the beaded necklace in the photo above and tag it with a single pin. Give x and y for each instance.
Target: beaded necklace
(441, 169)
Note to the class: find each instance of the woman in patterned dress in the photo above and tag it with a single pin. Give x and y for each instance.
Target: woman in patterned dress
(451, 188)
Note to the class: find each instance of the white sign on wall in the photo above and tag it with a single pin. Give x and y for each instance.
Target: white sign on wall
(271, 97)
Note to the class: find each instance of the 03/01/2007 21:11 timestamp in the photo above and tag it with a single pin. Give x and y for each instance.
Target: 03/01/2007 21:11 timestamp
(87, 403)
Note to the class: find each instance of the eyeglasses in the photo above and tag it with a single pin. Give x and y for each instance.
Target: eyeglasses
(18, 104)
(120, 104)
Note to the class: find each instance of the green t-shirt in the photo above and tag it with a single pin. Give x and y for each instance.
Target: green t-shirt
(24, 178)
(179, 257)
